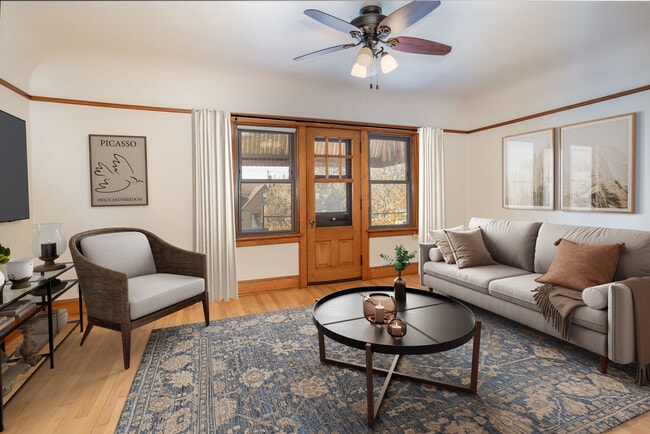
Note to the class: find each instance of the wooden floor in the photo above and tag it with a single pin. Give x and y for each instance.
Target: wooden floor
(86, 390)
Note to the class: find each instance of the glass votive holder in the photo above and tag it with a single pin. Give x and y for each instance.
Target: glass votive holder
(379, 308)
(396, 328)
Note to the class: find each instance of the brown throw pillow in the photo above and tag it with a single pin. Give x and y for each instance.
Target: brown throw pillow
(578, 266)
(469, 248)
(439, 237)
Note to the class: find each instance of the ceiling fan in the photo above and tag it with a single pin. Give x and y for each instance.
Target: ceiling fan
(372, 31)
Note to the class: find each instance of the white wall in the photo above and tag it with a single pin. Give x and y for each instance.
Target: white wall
(621, 65)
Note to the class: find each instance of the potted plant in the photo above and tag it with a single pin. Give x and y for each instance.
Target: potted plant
(4, 258)
(400, 261)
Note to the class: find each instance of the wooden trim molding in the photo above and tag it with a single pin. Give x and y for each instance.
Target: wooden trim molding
(562, 109)
(327, 122)
(261, 285)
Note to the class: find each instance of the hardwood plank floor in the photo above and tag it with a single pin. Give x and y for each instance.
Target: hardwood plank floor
(88, 387)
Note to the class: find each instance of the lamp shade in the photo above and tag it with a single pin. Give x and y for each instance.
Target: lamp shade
(364, 58)
(359, 71)
(388, 63)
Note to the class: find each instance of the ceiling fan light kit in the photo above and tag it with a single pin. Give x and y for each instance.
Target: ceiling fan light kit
(388, 63)
(359, 71)
(371, 30)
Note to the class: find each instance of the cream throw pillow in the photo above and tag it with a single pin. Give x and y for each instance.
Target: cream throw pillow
(578, 266)
(469, 248)
(439, 237)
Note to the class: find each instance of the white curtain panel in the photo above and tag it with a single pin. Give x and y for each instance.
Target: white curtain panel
(214, 228)
(432, 182)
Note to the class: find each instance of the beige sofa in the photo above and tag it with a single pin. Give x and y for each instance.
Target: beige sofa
(525, 251)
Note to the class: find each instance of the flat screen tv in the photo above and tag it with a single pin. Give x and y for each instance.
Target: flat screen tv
(14, 184)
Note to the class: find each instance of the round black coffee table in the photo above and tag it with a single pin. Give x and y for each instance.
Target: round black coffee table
(435, 323)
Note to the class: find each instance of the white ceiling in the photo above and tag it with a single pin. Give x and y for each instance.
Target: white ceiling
(493, 41)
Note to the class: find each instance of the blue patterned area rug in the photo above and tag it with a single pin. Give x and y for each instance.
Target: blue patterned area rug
(261, 373)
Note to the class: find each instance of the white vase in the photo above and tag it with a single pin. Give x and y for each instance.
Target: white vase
(19, 271)
(2, 279)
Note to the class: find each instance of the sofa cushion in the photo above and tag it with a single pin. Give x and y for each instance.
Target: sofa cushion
(468, 248)
(596, 296)
(519, 290)
(126, 252)
(440, 239)
(509, 242)
(477, 278)
(152, 292)
(578, 266)
(632, 262)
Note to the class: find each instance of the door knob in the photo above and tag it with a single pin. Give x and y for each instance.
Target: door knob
(312, 222)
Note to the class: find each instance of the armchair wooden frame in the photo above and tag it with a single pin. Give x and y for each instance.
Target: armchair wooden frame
(105, 291)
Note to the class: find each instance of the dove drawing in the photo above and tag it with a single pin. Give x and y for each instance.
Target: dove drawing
(118, 175)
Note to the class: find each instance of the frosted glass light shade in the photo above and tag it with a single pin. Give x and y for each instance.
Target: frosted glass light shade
(364, 58)
(388, 63)
(359, 71)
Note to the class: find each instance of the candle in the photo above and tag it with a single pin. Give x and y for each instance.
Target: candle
(48, 250)
(379, 314)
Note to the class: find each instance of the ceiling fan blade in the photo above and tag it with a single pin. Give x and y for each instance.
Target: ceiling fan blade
(325, 51)
(418, 46)
(331, 21)
(408, 14)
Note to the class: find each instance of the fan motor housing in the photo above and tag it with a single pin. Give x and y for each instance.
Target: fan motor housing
(368, 19)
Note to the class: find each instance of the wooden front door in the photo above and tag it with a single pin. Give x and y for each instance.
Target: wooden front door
(333, 205)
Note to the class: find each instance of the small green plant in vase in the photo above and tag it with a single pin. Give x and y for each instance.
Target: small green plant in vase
(400, 261)
(5, 252)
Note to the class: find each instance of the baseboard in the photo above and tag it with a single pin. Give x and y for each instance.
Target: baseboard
(261, 285)
(377, 272)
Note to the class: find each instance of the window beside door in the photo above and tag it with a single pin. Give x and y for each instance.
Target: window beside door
(390, 181)
(266, 184)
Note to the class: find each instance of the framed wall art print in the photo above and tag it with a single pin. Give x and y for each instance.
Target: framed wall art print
(528, 170)
(118, 170)
(597, 165)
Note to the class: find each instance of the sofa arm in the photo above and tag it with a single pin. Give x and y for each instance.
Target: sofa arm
(424, 256)
(620, 330)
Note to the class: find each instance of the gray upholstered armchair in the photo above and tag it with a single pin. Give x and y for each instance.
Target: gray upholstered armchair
(129, 277)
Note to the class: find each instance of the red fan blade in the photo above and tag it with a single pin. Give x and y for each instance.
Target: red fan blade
(408, 14)
(418, 46)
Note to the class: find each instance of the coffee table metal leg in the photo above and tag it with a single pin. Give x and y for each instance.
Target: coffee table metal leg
(373, 406)
(476, 348)
(370, 394)
(321, 345)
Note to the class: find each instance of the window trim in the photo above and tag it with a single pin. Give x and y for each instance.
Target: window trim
(292, 180)
(409, 180)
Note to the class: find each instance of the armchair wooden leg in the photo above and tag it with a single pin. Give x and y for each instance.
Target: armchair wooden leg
(89, 327)
(206, 311)
(126, 344)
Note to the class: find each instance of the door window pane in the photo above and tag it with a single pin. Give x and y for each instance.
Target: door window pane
(331, 197)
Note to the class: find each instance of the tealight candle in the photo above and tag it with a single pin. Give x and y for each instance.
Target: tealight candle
(379, 314)
(396, 328)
